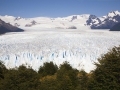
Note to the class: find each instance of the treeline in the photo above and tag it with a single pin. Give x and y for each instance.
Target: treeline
(106, 76)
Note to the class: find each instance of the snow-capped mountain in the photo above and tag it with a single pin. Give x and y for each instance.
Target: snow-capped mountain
(93, 20)
(108, 21)
(77, 21)
(45, 22)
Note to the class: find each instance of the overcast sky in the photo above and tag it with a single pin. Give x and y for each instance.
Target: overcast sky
(57, 8)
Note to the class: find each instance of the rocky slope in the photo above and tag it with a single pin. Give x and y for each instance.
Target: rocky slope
(116, 27)
(6, 27)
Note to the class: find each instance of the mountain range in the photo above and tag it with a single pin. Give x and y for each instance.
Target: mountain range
(70, 22)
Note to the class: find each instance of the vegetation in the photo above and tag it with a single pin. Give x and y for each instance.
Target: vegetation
(48, 69)
(106, 76)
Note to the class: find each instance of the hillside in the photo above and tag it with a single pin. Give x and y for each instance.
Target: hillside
(6, 27)
(115, 27)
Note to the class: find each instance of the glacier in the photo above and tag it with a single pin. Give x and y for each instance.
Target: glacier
(81, 48)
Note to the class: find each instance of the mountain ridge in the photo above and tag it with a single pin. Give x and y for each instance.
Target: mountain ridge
(92, 21)
(6, 27)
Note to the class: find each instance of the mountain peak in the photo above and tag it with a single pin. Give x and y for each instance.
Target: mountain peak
(116, 12)
(113, 13)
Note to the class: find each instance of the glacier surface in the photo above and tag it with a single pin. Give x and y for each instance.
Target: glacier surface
(80, 48)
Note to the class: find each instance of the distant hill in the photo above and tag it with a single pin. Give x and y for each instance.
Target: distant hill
(6, 27)
(116, 27)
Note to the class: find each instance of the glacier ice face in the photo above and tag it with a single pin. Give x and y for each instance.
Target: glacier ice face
(80, 48)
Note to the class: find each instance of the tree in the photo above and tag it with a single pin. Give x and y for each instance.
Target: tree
(48, 83)
(2, 70)
(83, 80)
(21, 78)
(48, 69)
(67, 77)
(106, 76)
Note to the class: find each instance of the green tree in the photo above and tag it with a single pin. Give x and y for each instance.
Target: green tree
(3, 71)
(67, 77)
(48, 69)
(2, 67)
(83, 80)
(21, 78)
(106, 76)
(48, 83)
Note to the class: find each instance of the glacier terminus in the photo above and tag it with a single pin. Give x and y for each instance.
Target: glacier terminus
(81, 48)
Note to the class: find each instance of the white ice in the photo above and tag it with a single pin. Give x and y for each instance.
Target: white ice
(80, 48)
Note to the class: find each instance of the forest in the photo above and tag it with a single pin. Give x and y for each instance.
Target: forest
(106, 76)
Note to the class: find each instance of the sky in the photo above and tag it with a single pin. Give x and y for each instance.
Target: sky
(57, 8)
